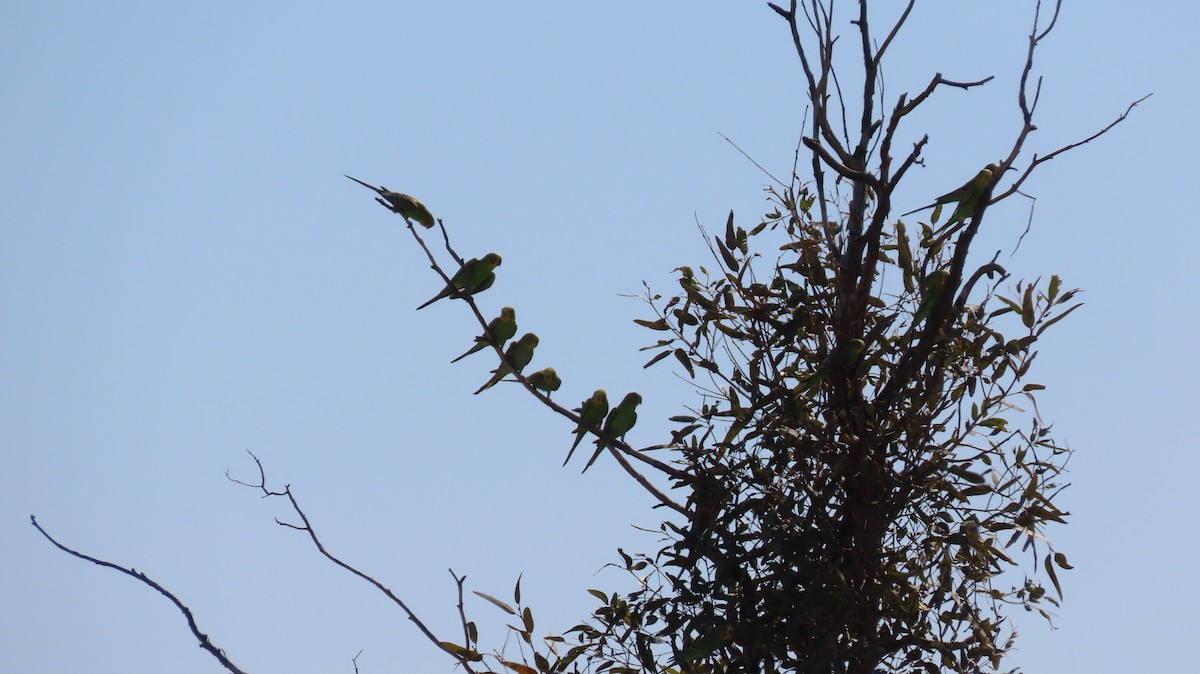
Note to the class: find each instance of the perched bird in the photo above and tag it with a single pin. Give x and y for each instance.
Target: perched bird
(592, 411)
(618, 423)
(855, 350)
(935, 287)
(516, 357)
(474, 276)
(406, 206)
(966, 196)
(545, 380)
(499, 330)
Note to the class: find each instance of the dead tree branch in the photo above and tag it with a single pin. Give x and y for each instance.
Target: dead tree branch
(201, 637)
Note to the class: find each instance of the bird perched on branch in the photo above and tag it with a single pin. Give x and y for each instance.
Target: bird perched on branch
(475, 276)
(618, 423)
(516, 357)
(408, 207)
(935, 287)
(546, 380)
(967, 196)
(499, 330)
(593, 411)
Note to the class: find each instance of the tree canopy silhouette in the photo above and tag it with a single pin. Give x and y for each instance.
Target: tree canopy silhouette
(864, 474)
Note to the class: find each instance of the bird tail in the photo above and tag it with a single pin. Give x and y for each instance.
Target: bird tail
(578, 437)
(479, 346)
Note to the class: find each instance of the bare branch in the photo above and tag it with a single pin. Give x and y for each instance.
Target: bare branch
(307, 528)
(1053, 20)
(205, 642)
(842, 169)
(878, 58)
(1041, 160)
(752, 161)
(987, 269)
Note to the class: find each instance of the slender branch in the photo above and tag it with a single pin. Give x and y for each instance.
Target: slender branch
(307, 528)
(462, 613)
(892, 34)
(870, 73)
(641, 479)
(987, 269)
(842, 169)
(817, 89)
(205, 642)
(752, 161)
(1041, 160)
(1053, 20)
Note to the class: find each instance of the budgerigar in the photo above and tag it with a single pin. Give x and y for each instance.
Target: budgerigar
(546, 380)
(593, 411)
(619, 421)
(516, 357)
(967, 196)
(499, 330)
(408, 207)
(474, 276)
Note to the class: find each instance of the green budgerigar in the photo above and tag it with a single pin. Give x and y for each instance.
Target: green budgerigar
(408, 207)
(546, 380)
(967, 196)
(516, 357)
(474, 276)
(592, 411)
(935, 287)
(619, 421)
(499, 330)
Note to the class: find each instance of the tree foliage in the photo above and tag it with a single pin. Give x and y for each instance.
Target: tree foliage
(864, 483)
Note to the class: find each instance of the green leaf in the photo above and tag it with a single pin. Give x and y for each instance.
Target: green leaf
(730, 261)
(460, 652)
(657, 358)
(518, 667)
(1027, 315)
(1053, 576)
(682, 357)
(1031, 489)
(599, 595)
(527, 618)
(505, 607)
(731, 332)
(660, 324)
(1061, 560)
(1057, 318)
(685, 318)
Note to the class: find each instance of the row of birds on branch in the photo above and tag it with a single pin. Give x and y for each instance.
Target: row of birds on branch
(475, 276)
(478, 274)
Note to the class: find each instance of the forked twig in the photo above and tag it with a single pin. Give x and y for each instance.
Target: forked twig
(307, 528)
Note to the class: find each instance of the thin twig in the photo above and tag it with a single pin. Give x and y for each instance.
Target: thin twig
(205, 642)
(307, 528)
(1041, 160)
(760, 168)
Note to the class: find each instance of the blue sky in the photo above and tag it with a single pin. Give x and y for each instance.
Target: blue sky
(185, 275)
